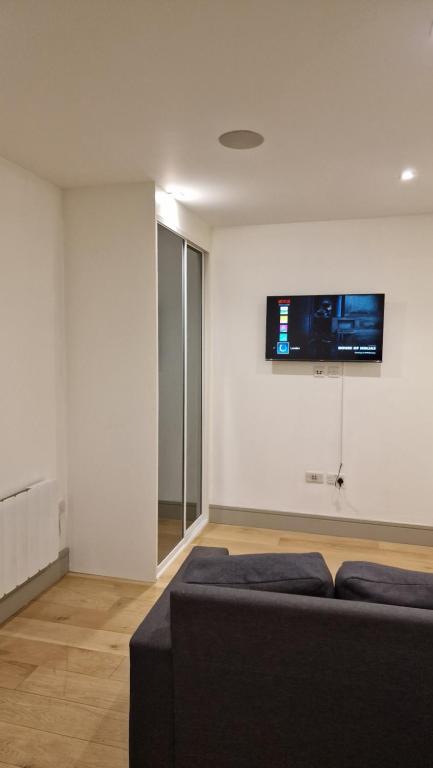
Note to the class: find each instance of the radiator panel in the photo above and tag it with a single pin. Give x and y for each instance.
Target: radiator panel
(29, 534)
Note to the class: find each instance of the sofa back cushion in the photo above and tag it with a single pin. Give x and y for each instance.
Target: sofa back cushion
(374, 583)
(300, 574)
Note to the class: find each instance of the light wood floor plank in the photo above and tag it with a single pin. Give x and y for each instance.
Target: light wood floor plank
(21, 747)
(12, 673)
(92, 640)
(122, 672)
(45, 654)
(66, 595)
(108, 693)
(223, 533)
(120, 618)
(64, 718)
(98, 601)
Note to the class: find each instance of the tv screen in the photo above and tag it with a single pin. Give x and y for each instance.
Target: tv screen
(338, 327)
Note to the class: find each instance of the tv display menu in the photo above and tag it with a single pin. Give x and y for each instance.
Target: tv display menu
(340, 327)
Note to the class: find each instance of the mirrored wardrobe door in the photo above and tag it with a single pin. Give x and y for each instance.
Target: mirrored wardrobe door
(193, 436)
(171, 391)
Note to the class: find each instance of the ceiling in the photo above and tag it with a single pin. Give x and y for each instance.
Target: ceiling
(107, 91)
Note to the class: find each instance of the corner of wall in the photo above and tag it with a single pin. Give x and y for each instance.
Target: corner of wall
(111, 331)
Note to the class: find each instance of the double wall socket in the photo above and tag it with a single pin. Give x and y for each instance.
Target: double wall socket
(334, 370)
(320, 477)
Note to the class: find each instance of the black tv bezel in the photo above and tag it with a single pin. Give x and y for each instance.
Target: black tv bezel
(280, 359)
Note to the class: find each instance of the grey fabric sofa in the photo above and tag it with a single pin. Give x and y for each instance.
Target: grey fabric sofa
(225, 678)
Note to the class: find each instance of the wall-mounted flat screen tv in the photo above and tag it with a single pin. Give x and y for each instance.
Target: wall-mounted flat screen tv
(346, 327)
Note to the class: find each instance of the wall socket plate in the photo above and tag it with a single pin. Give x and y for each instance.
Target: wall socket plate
(314, 477)
(331, 478)
(335, 370)
(319, 371)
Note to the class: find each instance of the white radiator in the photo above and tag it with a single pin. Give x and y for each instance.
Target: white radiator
(29, 533)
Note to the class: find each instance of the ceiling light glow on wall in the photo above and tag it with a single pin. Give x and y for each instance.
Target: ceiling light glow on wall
(408, 174)
(183, 194)
(241, 139)
(167, 208)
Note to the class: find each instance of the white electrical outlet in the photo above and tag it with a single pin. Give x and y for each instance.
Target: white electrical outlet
(335, 370)
(331, 478)
(319, 371)
(314, 477)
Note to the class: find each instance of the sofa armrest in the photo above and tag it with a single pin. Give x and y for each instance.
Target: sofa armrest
(151, 721)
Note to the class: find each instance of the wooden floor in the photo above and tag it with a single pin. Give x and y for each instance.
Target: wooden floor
(64, 658)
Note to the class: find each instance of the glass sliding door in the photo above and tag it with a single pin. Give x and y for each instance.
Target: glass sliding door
(193, 448)
(180, 388)
(171, 391)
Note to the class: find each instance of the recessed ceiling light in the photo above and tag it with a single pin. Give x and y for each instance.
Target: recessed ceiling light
(241, 139)
(408, 174)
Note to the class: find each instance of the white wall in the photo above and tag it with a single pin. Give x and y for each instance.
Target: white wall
(112, 367)
(32, 443)
(273, 421)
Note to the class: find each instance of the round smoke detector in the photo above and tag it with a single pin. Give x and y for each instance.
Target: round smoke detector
(241, 139)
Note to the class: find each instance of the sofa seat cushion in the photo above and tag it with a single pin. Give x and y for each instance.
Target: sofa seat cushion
(299, 574)
(374, 583)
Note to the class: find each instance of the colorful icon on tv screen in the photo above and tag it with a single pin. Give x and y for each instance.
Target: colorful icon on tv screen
(284, 309)
(283, 348)
(283, 328)
(283, 336)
